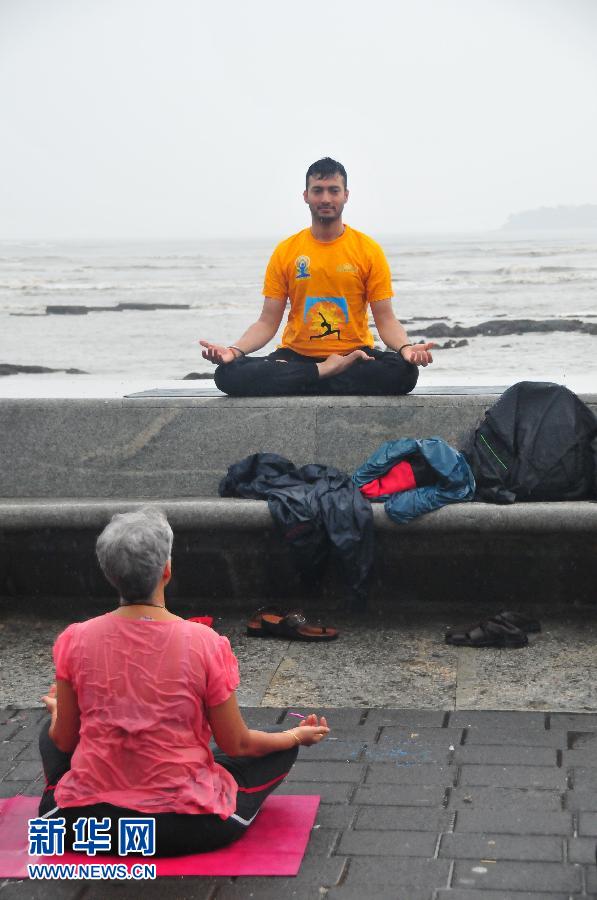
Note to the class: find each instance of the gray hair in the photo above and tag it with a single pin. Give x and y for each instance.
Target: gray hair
(132, 551)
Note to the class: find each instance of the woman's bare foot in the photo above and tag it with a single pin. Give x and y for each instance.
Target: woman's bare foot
(335, 363)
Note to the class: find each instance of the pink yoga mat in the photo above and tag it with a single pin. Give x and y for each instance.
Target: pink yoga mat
(274, 844)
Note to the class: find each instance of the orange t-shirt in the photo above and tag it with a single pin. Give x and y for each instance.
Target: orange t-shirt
(329, 285)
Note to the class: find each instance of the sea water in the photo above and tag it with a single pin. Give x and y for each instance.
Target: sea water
(213, 290)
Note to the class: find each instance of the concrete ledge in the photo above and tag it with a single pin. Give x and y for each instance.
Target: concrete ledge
(227, 554)
(68, 465)
(253, 515)
(180, 448)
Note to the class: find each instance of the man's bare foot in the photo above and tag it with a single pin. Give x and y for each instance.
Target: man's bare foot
(335, 363)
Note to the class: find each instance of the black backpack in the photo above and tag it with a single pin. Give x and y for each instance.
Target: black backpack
(534, 444)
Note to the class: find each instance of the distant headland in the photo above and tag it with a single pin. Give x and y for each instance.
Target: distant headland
(560, 218)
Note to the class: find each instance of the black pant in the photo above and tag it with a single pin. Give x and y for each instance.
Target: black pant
(175, 833)
(265, 376)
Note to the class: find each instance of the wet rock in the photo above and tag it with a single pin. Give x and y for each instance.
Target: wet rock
(142, 307)
(452, 344)
(76, 310)
(194, 375)
(9, 369)
(499, 327)
(59, 310)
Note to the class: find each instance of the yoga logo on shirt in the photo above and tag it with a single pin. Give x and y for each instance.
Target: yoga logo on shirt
(302, 264)
(324, 315)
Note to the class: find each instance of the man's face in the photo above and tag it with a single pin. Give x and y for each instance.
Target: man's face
(326, 197)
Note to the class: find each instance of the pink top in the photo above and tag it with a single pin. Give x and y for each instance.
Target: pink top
(143, 689)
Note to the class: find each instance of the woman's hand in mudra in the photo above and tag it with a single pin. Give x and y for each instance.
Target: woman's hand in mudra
(312, 730)
(49, 700)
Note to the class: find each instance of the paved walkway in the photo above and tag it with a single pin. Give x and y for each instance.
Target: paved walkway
(417, 803)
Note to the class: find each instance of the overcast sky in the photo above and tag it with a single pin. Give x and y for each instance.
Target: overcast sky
(181, 118)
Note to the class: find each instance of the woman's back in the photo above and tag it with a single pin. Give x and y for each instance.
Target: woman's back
(143, 687)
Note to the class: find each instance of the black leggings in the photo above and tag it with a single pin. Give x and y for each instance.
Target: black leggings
(286, 373)
(175, 833)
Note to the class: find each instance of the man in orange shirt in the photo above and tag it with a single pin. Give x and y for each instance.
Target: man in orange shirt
(331, 274)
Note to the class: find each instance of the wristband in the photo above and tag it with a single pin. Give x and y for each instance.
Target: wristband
(232, 347)
(400, 349)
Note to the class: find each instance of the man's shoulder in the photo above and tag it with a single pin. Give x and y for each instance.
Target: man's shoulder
(290, 243)
(365, 241)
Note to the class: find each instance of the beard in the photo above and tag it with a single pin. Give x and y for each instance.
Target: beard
(326, 215)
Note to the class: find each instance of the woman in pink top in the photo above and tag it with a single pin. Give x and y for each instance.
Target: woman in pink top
(139, 693)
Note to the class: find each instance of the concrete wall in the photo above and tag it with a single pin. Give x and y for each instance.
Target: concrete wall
(169, 448)
(67, 465)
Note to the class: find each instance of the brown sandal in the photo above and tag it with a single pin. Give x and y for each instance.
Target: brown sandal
(295, 627)
(255, 624)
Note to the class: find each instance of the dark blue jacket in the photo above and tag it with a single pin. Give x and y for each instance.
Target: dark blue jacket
(455, 478)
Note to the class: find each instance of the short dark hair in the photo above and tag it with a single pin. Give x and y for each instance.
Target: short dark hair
(325, 167)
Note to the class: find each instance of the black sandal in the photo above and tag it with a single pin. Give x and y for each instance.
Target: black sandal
(530, 626)
(507, 617)
(295, 627)
(491, 633)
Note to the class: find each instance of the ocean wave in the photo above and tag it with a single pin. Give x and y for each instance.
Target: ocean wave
(125, 267)
(81, 287)
(514, 275)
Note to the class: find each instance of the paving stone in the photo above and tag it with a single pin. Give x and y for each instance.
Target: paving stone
(388, 843)
(335, 815)
(400, 795)
(503, 798)
(587, 823)
(514, 776)
(339, 717)
(331, 750)
(28, 723)
(10, 749)
(584, 779)
(394, 734)
(534, 737)
(581, 850)
(313, 874)
(495, 756)
(496, 821)
(500, 895)
(326, 771)
(496, 719)
(573, 721)
(42, 890)
(322, 841)
(419, 818)
(28, 770)
(8, 730)
(12, 788)
(581, 740)
(502, 846)
(408, 878)
(409, 754)
(507, 875)
(262, 716)
(358, 892)
(330, 792)
(33, 788)
(409, 718)
(592, 881)
(362, 733)
(579, 799)
(572, 759)
(29, 750)
(390, 773)
(177, 888)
